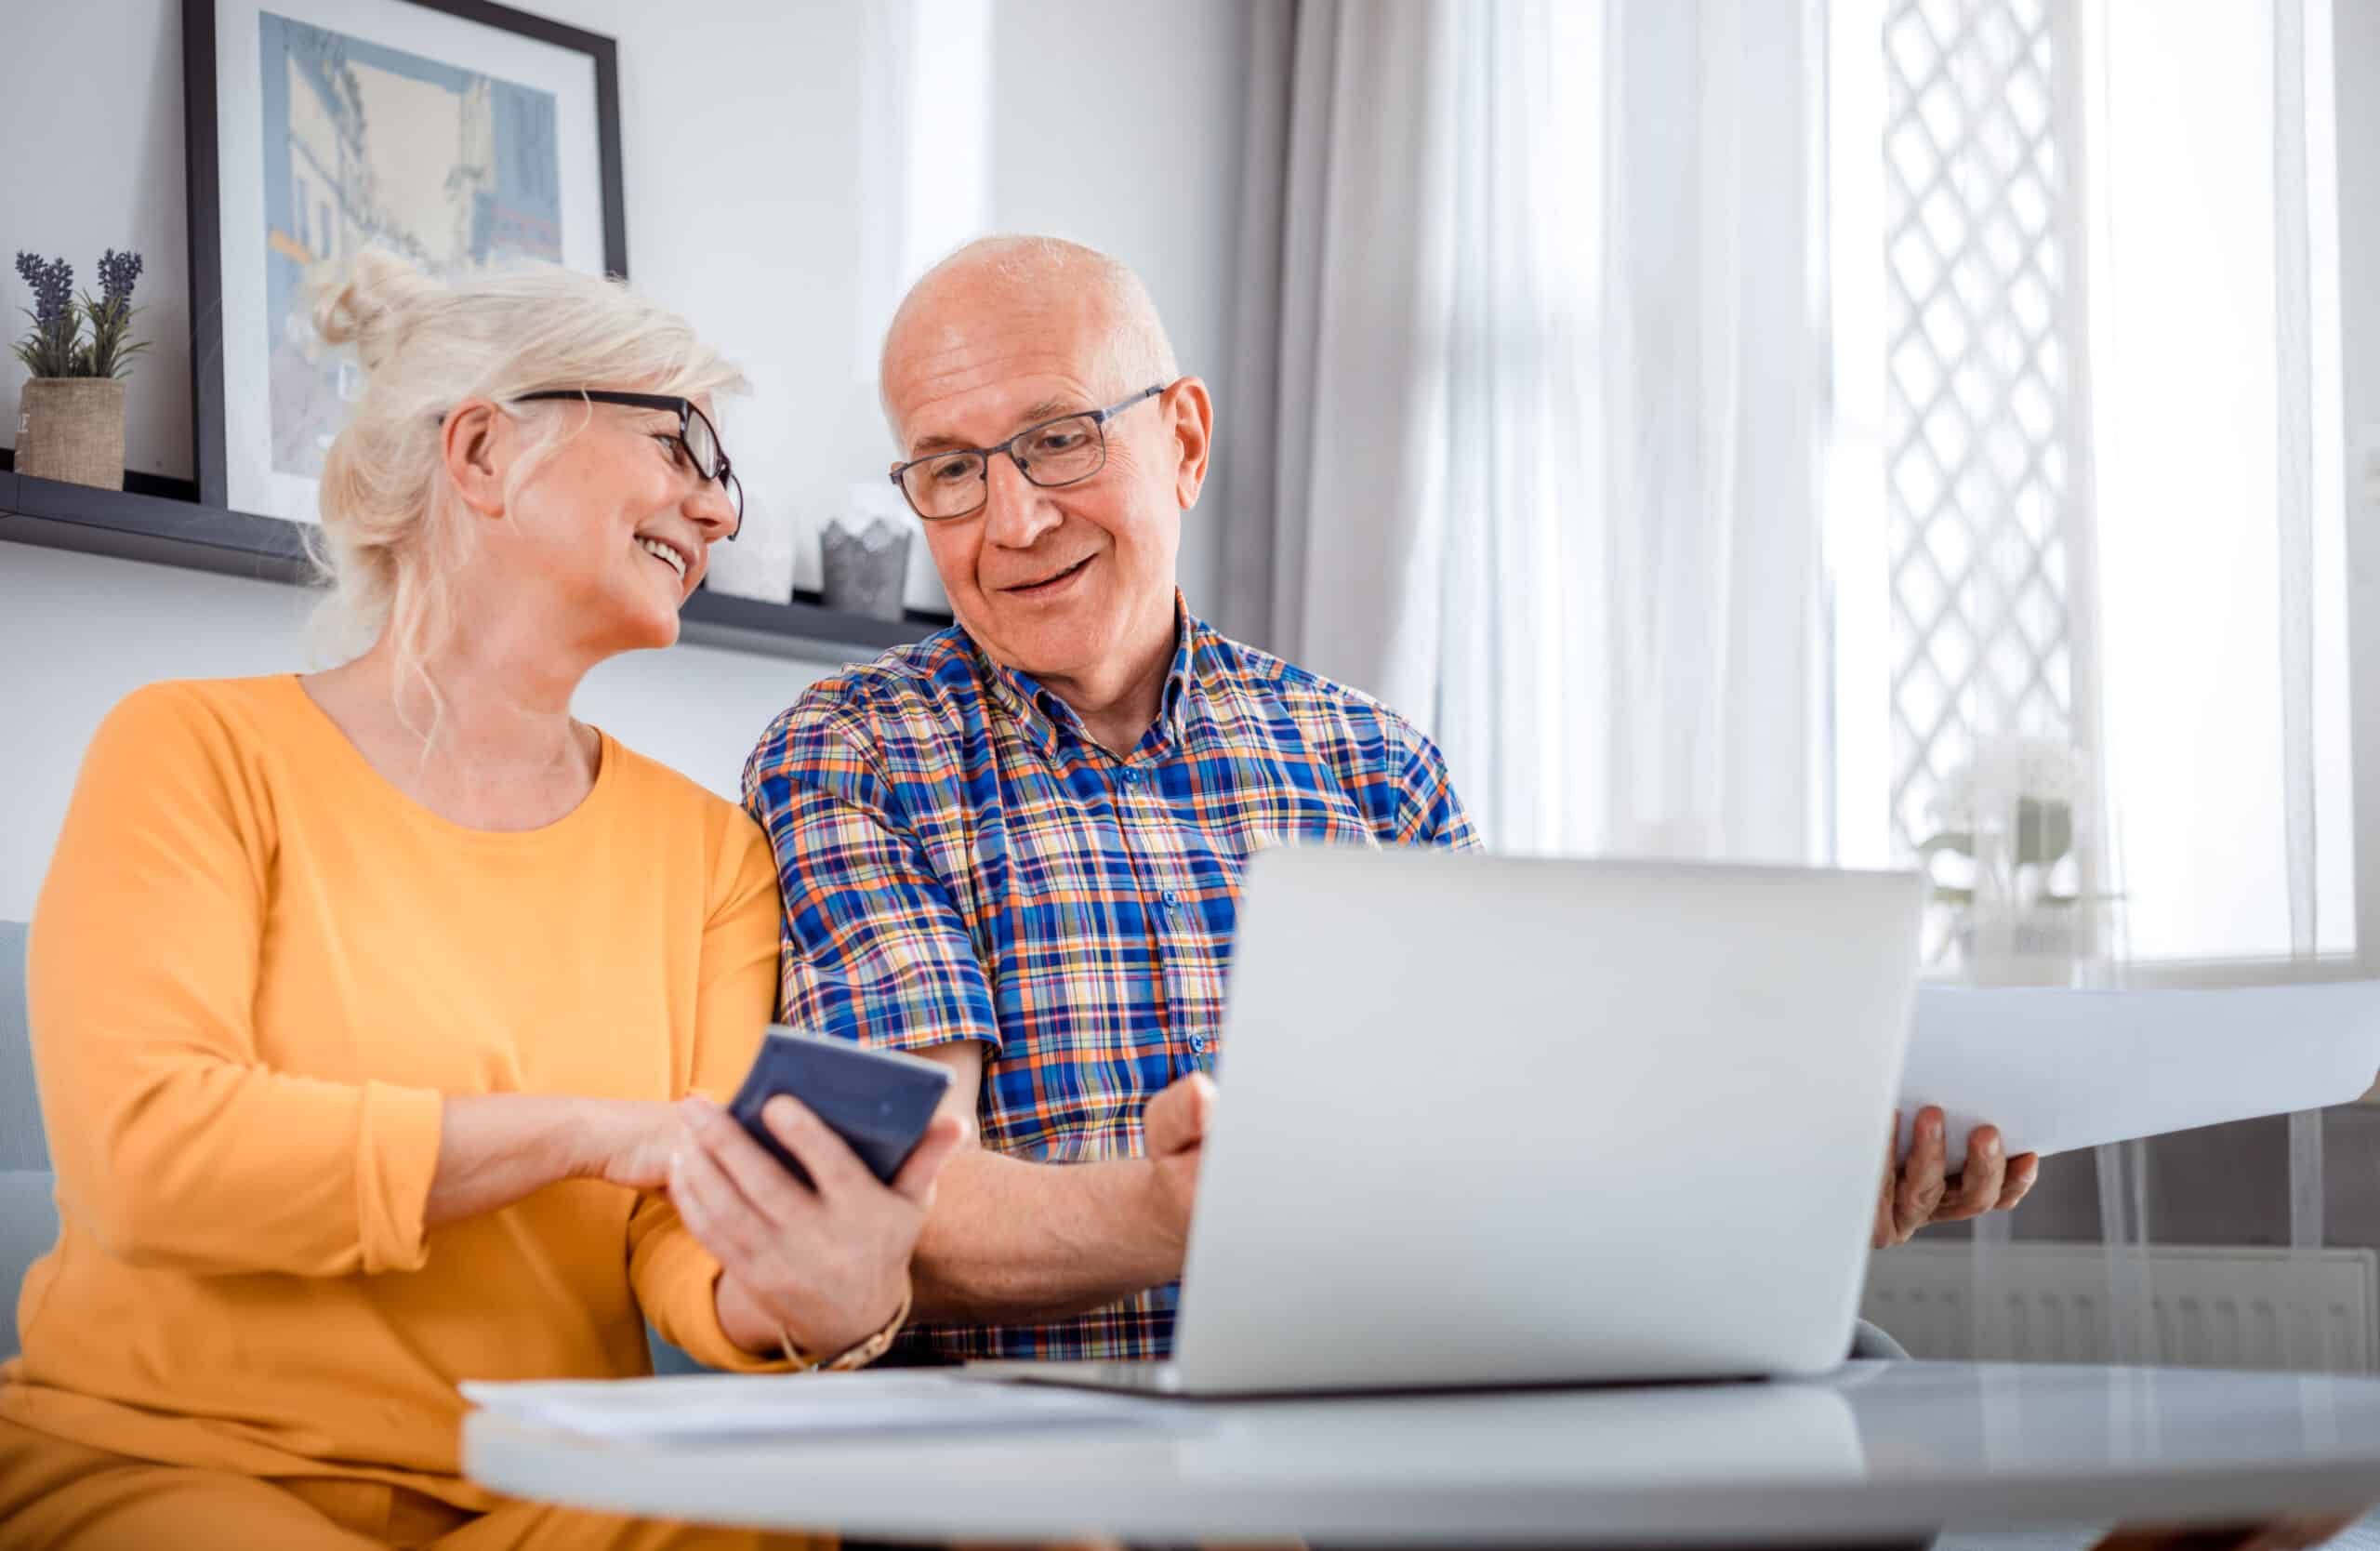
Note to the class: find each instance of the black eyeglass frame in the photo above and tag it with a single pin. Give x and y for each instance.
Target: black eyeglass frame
(1098, 418)
(687, 415)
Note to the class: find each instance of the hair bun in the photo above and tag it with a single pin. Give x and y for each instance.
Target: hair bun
(363, 300)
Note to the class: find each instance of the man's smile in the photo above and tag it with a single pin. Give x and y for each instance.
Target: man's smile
(1049, 584)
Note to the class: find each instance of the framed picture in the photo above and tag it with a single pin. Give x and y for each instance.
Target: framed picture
(453, 132)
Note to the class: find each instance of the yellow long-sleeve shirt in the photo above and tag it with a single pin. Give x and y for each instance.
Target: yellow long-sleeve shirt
(256, 967)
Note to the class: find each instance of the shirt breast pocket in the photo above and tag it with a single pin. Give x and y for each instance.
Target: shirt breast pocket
(1299, 809)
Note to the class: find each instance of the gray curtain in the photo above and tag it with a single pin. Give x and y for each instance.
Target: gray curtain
(1339, 282)
(1528, 410)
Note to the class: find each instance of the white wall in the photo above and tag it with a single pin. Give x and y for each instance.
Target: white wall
(74, 184)
(742, 186)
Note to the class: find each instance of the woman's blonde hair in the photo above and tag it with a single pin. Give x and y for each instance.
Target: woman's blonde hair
(394, 534)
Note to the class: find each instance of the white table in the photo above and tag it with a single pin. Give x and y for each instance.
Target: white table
(1879, 1450)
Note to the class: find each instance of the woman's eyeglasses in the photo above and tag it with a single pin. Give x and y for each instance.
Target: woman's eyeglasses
(697, 436)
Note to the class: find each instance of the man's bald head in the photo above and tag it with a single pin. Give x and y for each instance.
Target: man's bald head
(1015, 278)
(1062, 571)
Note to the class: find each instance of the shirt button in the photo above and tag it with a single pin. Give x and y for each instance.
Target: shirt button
(1198, 1043)
(1171, 899)
(1131, 777)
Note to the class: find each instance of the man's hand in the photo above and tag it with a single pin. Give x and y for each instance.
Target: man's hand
(1174, 1124)
(1917, 1191)
(825, 1263)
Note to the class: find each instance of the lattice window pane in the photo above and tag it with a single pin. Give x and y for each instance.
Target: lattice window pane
(1978, 419)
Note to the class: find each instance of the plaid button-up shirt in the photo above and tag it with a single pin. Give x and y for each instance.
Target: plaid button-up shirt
(961, 861)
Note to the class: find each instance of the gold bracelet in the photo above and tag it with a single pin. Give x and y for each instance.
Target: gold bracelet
(859, 1355)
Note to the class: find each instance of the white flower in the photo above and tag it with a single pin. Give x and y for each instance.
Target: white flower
(2006, 769)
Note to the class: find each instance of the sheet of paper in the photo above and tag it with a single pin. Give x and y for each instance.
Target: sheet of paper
(712, 1406)
(2057, 1070)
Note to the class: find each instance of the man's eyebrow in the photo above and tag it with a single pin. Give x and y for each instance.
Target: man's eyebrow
(1047, 409)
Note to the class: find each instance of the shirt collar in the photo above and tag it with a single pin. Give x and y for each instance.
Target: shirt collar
(1041, 715)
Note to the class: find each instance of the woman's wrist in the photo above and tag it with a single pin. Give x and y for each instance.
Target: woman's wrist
(495, 1148)
(591, 1134)
(623, 1142)
(742, 1319)
(751, 1327)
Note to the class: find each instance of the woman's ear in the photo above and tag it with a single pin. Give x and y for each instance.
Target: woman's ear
(478, 442)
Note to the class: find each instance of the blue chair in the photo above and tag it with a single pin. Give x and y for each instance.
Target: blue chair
(28, 1188)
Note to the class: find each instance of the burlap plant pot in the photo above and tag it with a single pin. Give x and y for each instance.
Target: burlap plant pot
(71, 429)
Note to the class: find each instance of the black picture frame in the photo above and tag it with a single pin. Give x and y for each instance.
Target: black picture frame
(192, 526)
(203, 179)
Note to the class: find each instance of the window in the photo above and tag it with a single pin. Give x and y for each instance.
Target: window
(2084, 492)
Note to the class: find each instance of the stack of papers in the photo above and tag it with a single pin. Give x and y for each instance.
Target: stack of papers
(716, 1406)
(2057, 1070)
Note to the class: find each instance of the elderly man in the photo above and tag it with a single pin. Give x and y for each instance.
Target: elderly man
(1015, 846)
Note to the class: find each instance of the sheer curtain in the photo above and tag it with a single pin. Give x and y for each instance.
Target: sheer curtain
(2213, 153)
(2093, 429)
(1538, 338)
(1772, 431)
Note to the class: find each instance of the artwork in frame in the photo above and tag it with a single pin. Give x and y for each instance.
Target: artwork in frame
(455, 133)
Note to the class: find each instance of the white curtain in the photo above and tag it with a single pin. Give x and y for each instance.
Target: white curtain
(1538, 306)
(2296, 269)
(2261, 372)
(1535, 343)
(2205, 213)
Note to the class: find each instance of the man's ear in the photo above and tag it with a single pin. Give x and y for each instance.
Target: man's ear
(1191, 413)
(477, 443)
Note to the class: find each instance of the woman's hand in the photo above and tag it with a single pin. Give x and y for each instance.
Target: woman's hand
(824, 1263)
(495, 1148)
(629, 1142)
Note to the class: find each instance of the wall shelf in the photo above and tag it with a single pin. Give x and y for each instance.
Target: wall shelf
(156, 521)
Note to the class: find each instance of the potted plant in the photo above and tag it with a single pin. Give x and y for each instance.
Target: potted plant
(70, 414)
(2011, 813)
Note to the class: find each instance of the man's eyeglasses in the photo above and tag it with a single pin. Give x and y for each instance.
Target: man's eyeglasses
(697, 439)
(944, 486)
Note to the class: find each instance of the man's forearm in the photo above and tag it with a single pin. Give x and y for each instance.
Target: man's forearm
(1012, 1242)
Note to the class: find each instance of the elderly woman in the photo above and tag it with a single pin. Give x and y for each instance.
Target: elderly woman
(369, 1005)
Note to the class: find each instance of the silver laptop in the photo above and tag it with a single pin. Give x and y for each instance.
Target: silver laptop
(1491, 1120)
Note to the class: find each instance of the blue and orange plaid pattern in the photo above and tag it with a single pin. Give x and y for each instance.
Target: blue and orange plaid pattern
(961, 861)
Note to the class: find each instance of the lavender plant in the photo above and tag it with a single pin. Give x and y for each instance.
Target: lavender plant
(49, 350)
(111, 348)
(55, 347)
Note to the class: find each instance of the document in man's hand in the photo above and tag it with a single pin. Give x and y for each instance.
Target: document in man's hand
(716, 1406)
(2057, 1070)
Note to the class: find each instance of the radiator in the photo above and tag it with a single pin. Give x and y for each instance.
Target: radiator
(2180, 1305)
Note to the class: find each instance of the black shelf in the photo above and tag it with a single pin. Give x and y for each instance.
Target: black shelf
(751, 625)
(133, 526)
(156, 521)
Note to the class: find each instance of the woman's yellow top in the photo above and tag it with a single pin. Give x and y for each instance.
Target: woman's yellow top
(256, 968)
